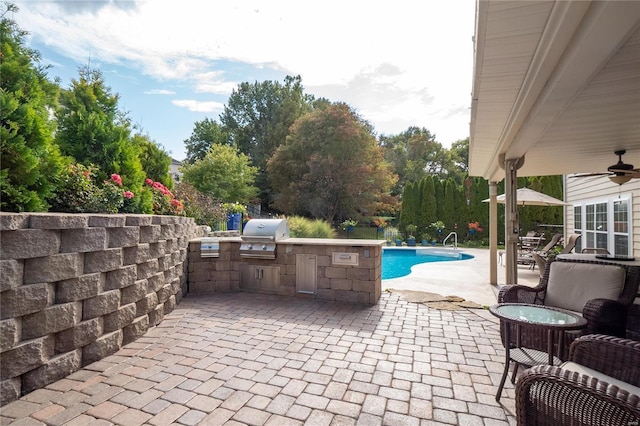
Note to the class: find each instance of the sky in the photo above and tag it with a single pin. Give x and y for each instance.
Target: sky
(398, 64)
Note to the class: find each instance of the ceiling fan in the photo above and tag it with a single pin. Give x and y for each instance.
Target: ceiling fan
(618, 173)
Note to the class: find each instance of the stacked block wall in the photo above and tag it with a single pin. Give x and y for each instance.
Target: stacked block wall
(75, 288)
(355, 284)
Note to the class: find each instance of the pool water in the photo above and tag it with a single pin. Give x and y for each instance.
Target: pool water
(397, 263)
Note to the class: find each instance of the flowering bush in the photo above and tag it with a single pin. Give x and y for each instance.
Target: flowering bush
(78, 193)
(164, 202)
(474, 227)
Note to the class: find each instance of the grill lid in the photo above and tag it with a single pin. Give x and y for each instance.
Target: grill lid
(266, 229)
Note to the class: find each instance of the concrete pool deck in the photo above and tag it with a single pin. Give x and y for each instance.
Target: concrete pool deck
(468, 279)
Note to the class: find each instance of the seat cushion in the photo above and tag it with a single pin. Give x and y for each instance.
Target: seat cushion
(571, 285)
(581, 369)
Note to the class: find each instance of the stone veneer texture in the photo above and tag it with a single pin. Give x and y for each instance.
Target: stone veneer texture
(74, 288)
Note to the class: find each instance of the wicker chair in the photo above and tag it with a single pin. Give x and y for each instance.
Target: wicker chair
(599, 386)
(604, 315)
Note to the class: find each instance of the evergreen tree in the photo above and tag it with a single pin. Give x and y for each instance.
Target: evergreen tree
(410, 205)
(449, 215)
(428, 205)
(154, 159)
(439, 191)
(92, 130)
(31, 162)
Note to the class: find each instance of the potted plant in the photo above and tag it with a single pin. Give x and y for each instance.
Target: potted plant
(411, 239)
(437, 226)
(426, 238)
(380, 223)
(349, 224)
(234, 215)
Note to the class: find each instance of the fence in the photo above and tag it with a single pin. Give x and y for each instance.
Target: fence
(369, 233)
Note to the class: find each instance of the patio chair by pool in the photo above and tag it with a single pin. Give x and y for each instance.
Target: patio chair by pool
(600, 385)
(570, 244)
(555, 239)
(539, 257)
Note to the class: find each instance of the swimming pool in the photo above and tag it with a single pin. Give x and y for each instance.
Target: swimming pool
(397, 263)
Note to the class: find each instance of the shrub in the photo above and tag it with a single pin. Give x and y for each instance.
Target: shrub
(202, 207)
(78, 193)
(164, 202)
(301, 227)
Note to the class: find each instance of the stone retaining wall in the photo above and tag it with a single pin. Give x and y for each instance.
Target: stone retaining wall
(75, 288)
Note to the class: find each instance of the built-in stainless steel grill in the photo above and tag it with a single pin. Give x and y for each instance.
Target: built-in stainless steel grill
(260, 236)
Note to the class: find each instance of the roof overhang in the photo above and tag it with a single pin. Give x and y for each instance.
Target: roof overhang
(557, 82)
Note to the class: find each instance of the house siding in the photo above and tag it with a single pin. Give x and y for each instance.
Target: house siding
(580, 190)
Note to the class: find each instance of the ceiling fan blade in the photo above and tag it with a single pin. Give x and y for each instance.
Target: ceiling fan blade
(582, 175)
(626, 172)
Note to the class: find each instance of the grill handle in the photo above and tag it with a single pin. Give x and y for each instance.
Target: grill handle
(256, 238)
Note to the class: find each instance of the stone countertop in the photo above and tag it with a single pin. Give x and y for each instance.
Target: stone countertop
(310, 241)
(333, 242)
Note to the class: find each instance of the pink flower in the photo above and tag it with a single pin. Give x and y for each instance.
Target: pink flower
(128, 194)
(117, 179)
(148, 181)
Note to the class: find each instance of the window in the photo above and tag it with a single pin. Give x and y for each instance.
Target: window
(604, 224)
(577, 224)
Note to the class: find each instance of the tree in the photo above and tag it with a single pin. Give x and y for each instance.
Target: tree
(458, 160)
(154, 159)
(31, 162)
(258, 117)
(205, 133)
(414, 154)
(224, 174)
(92, 130)
(428, 204)
(449, 215)
(410, 205)
(330, 166)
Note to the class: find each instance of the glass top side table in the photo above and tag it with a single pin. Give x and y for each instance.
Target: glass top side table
(548, 318)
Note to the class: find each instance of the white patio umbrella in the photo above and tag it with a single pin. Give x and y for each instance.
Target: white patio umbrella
(529, 197)
(524, 197)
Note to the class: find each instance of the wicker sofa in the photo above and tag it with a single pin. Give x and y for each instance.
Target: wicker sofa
(599, 385)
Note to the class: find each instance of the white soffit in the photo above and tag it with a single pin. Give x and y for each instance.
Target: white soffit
(557, 82)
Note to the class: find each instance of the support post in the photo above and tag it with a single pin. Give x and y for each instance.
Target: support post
(493, 233)
(511, 223)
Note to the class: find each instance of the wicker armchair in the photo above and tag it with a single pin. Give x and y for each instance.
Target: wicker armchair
(604, 315)
(599, 386)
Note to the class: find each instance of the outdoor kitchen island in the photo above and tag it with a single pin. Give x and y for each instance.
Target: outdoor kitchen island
(327, 269)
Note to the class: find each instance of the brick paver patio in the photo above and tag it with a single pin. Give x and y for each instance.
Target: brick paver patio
(255, 359)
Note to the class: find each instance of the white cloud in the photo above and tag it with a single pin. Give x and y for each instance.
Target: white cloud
(159, 92)
(399, 62)
(198, 106)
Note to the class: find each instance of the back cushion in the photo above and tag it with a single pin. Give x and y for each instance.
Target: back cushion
(571, 285)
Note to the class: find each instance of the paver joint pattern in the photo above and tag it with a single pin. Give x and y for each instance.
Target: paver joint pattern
(255, 359)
